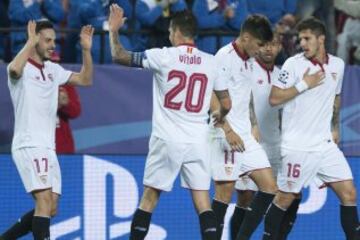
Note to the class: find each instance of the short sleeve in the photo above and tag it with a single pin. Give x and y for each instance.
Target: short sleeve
(223, 72)
(61, 75)
(11, 81)
(153, 58)
(286, 78)
(340, 79)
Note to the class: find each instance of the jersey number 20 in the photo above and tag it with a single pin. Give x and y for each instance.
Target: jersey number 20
(188, 85)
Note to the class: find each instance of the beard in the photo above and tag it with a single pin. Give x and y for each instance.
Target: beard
(43, 53)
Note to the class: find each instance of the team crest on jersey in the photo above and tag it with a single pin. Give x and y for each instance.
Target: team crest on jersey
(260, 81)
(283, 76)
(245, 179)
(50, 76)
(189, 50)
(43, 179)
(289, 184)
(334, 75)
(229, 170)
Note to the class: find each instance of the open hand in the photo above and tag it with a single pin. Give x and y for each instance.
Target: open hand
(315, 79)
(218, 119)
(235, 141)
(86, 35)
(33, 37)
(116, 18)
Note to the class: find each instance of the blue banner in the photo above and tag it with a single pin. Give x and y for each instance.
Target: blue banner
(116, 112)
(101, 194)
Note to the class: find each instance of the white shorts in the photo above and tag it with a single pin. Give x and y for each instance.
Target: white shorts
(38, 168)
(225, 164)
(274, 156)
(167, 159)
(245, 182)
(299, 168)
(228, 165)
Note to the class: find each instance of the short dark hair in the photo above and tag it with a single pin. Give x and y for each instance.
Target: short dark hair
(43, 24)
(186, 22)
(314, 25)
(259, 27)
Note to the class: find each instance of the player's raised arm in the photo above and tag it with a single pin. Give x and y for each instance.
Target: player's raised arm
(116, 20)
(17, 65)
(84, 77)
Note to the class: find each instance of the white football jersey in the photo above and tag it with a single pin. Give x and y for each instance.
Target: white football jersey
(306, 119)
(267, 116)
(35, 100)
(236, 70)
(184, 79)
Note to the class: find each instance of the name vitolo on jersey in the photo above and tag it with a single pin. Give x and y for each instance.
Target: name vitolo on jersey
(306, 119)
(184, 78)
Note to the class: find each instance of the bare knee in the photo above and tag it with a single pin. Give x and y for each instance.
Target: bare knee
(265, 180)
(54, 209)
(348, 196)
(53, 212)
(224, 191)
(245, 198)
(201, 200)
(284, 200)
(43, 201)
(149, 199)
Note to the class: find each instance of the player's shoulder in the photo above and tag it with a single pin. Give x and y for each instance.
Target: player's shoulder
(51, 65)
(336, 61)
(293, 61)
(205, 54)
(296, 58)
(159, 50)
(226, 50)
(276, 69)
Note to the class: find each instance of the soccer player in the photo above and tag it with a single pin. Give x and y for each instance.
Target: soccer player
(184, 79)
(309, 86)
(34, 84)
(268, 122)
(244, 156)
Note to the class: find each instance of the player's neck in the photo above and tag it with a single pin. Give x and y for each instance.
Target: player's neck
(321, 57)
(35, 57)
(240, 46)
(185, 41)
(269, 66)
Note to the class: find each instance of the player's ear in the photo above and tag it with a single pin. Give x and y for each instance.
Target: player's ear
(246, 36)
(322, 39)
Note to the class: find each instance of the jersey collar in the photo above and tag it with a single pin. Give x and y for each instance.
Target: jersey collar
(266, 68)
(187, 44)
(35, 64)
(239, 52)
(316, 62)
(269, 69)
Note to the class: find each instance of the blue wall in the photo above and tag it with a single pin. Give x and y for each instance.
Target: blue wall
(101, 193)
